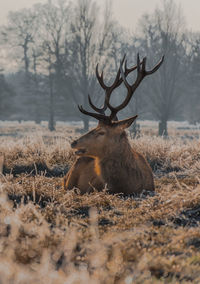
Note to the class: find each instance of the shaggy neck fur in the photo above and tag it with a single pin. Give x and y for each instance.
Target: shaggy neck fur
(120, 148)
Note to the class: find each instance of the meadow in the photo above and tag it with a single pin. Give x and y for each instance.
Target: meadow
(48, 235)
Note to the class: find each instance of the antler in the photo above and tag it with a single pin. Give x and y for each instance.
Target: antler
(141, 73)
(99, 116)
(120, 77)
(109, 89)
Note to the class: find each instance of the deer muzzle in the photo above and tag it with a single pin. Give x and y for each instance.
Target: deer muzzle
(73, 144)
(80, 151)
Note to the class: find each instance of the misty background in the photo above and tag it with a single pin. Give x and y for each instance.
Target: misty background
(49, 54)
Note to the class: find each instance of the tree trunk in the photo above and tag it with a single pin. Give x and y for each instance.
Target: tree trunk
(85, 124)
(162, 128)
(135, 130)
(51, 124)
(26, 59)
(37, 114)
(36, 91)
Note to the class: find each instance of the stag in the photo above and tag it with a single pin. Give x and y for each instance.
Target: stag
(104, 154)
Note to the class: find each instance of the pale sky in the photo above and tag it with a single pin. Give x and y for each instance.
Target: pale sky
(127, 12)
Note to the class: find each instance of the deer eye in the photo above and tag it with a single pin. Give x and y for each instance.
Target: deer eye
(101, 133)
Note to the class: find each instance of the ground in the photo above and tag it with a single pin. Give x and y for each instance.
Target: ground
(48, 235)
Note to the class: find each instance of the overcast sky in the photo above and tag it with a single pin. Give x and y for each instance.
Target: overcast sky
(127, 12)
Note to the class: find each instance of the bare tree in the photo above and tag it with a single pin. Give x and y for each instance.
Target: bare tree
(88, 45)
(192, 85)
(163, 34)
(19, 37)
(20, 32)
(35, 82)
(53, 29)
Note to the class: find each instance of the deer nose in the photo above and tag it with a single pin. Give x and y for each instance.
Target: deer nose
(73, 144)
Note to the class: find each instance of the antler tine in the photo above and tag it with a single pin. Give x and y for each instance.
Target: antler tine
(156, 67)
(118, 80)
(128, 70)
(138, 62)
(99, 110)
(100, 78)
(100, 117)
(124, 77)
(144, 60)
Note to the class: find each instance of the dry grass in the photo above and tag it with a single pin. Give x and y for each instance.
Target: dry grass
(51, 236)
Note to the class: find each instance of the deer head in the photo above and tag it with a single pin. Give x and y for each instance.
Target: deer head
(110, 131)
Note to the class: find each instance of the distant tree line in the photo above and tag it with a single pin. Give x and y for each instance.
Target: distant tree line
(50, 52)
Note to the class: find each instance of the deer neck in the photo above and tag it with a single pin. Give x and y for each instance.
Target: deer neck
(114, 159)
(116, 167)
(118, 155)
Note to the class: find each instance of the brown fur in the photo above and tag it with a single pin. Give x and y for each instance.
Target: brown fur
(83, 176)
(109, 160)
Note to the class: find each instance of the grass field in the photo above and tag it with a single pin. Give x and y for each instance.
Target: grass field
(48, 235)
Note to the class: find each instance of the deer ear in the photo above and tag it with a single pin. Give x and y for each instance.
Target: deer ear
(125, 123)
